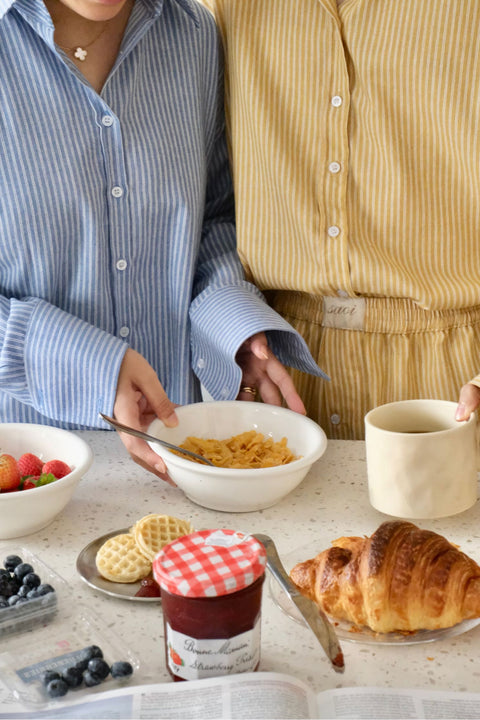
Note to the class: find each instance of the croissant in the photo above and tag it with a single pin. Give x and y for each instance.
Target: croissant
(402, 578)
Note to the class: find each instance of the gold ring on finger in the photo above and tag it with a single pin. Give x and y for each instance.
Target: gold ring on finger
(249, 390)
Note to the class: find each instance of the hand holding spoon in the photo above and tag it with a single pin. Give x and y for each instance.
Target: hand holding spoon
(151, 438)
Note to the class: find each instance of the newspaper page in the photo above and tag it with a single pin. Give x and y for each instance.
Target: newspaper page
(365, 703)
(255, 696)
(245, 696)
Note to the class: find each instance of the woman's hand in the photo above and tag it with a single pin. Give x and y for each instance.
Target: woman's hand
(139, 400)
(263, 373)
(468, 402)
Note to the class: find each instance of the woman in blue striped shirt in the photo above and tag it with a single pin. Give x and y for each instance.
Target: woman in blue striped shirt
(121, 288)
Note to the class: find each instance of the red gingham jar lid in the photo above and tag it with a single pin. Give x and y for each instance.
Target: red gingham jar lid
(209, 563)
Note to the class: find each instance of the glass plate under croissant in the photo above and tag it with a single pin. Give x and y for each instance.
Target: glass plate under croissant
(408, 542)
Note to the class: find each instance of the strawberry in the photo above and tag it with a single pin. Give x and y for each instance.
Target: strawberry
(9, 473)
(29, 464)
(57, 468)
(35, 481)
(28, 483)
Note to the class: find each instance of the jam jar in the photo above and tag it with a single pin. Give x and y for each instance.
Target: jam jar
(211, 590)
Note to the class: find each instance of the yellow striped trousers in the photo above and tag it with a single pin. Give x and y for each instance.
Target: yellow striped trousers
(400, 351)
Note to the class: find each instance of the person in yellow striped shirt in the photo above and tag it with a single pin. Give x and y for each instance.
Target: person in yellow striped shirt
(354, 131)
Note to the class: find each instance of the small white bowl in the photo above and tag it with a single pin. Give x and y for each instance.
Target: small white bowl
(236, 490)
(23, 512)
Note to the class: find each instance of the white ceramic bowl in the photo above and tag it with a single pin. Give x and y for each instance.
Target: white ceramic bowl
(234, 490)
(25, 511)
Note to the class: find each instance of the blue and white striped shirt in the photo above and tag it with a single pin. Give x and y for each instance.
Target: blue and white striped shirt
(116, 220)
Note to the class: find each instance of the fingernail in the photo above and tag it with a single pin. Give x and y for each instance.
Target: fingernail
(171, 420)
(460, 412)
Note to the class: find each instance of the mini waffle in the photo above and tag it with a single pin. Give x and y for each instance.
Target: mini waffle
(119, 559)
(154, 531)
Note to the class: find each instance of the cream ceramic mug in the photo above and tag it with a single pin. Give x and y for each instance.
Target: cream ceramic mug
(421, 462)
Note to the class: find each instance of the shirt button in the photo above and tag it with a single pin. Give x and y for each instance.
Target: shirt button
(335, 419)
(224, 392)
(333, 231)
(336, 101)
(342, 293)
(334, 167)
(107, 120)
(124, 331)
(200, 363)
(117, 191)
(121, 265)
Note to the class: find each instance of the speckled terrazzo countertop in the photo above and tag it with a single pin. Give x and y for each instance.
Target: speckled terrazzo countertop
(332, 501)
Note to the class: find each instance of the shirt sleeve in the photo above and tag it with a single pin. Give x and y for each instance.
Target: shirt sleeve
(222, 319)
(60, 365)
(475, 381)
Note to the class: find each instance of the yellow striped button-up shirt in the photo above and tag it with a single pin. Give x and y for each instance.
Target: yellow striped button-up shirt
(357, 145)
(355, 141)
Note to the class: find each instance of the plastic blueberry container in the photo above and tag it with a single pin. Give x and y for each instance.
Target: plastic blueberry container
(52, 635)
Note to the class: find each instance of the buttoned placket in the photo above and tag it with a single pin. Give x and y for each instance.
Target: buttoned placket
(336, 230)
(119, 234)
(336, 174)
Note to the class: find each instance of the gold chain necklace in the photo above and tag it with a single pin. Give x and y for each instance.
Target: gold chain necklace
(80, 51)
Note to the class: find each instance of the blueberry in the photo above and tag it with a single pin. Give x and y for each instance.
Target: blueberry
(4, 573)
(91, 680)
(14, 585)
(49, 675)
(98, 668)
(121, 669)
(13, 599)
(82, 665)
(3, 603)
(11, 562)
(73, 676)
(23, 591)
(31, 580)
(9, 586)
(22, 569)
(92, 651)
(43, 589)
(57, 688)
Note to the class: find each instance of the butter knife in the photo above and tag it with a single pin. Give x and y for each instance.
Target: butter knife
(312, 614)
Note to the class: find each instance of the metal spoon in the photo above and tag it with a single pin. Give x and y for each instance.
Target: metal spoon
(144, 436)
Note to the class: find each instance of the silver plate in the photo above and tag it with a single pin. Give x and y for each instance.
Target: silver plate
(347, 631)
(87, 570)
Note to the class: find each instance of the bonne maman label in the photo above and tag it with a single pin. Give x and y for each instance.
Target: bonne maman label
(194, 658)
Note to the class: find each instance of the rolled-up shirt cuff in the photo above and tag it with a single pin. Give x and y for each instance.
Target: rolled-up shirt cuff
(222, 319)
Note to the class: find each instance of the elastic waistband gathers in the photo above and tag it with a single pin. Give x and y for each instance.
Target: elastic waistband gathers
(380, 315)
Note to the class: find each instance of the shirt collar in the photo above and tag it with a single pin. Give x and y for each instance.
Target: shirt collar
(188, 6)
(5, 6)
(36, 6)
(155, 7)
